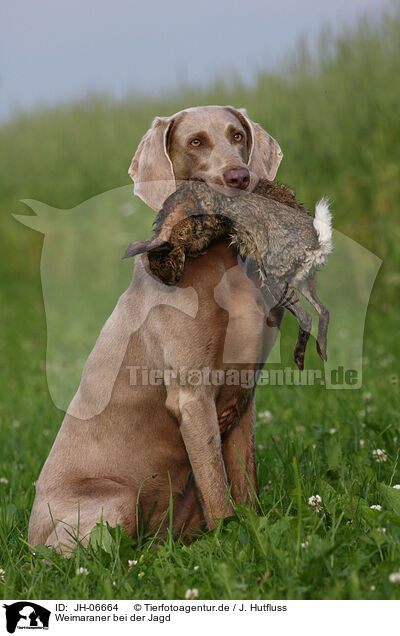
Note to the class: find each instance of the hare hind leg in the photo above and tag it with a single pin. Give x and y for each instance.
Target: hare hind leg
(288, 299)
(309, 291)
(292, 303)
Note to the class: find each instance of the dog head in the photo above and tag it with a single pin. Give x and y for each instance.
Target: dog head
(217, 144)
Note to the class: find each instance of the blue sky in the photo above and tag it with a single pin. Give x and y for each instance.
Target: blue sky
(52, 51)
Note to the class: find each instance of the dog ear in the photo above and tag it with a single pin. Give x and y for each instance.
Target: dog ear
(151, 168)
(265, 153)
(146, 246)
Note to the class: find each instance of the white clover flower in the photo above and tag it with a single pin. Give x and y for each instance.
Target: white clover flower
(332, 431)
(131, 563)
(265, 416)
(367, 395)
(315, 502)
(381, 530)
(84, 571)
(372, 587)
(304, 544)
(189, 594)
(394, 577)
(379, 455)
(362, 443)
(3, 480)
(376, 507)
(196, 567)
(397, 486)
(2, 573)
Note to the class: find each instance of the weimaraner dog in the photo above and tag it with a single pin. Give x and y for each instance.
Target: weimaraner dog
(140, 432)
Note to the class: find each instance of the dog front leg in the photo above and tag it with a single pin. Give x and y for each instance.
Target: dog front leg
(198, 421)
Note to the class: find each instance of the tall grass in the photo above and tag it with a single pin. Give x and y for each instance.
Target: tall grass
(336, 117)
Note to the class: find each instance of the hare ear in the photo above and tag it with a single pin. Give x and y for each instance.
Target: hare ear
(265, 154)
(151, 168)
(140, 247)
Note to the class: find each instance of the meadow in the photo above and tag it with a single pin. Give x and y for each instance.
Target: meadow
(336, 116)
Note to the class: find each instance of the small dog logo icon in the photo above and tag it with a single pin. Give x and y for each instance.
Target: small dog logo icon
(26, 615)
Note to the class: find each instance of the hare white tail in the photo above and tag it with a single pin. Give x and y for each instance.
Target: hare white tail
(323, 227)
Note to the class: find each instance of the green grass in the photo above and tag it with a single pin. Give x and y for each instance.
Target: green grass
(337, 122)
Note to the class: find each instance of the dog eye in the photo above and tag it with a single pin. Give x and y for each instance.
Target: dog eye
(195, 143)
(238, 136)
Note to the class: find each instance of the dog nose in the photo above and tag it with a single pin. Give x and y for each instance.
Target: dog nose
(237, 178)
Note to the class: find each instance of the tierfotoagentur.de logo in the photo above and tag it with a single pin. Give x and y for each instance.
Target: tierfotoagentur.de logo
(26, 615)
